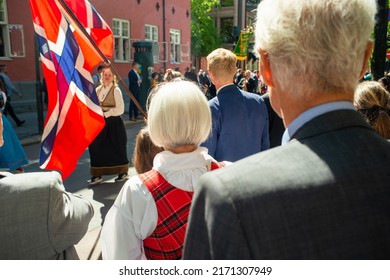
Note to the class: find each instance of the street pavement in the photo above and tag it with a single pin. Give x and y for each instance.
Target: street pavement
(101, 196)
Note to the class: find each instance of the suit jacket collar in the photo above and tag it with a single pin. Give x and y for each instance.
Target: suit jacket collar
(331, 121)
(227, 88)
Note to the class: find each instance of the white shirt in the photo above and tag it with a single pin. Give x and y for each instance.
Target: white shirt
(119, 108)
(133, 216)
(139, 77)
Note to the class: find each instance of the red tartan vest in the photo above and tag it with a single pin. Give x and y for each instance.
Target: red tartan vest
(173, 206)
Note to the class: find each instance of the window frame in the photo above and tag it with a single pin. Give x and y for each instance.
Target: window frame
(5, 52)
(175, 46)
(19, 27)
(122, 35)
(226, 29)
(151, 35)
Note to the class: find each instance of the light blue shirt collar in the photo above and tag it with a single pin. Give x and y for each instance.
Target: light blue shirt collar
(311, 114)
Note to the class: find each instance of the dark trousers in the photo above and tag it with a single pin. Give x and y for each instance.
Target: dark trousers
(133, 110)
(9, 109)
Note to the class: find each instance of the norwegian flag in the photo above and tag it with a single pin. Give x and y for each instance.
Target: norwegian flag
(74, 117)
(97, 29)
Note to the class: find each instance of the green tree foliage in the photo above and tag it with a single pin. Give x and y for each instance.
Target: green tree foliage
(204, 34)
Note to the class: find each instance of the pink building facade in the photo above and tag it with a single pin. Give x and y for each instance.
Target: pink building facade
(166, 23)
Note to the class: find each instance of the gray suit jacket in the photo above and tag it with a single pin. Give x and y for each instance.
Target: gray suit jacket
(38, 219)
(324, 195)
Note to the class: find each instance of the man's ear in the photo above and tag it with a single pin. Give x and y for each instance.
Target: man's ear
(211, 76)
(367, 55)
(265, 68)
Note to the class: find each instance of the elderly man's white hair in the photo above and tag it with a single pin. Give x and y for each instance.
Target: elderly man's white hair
(315, 45)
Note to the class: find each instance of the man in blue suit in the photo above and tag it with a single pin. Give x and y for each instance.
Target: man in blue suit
(135, 81)
(240, 119)
(325, 193)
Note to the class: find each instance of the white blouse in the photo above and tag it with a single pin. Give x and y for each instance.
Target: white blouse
(133, 216)
(119, 108)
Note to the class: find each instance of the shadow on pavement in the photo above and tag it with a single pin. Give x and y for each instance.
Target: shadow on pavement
(106, 194)
(103, 197)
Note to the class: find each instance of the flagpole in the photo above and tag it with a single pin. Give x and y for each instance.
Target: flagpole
(104, 58)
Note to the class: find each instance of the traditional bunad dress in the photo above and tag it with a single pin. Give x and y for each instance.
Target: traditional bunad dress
(108, 150)
(149, 217)
(12, 155)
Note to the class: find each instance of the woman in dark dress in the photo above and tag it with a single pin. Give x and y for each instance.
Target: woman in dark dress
(108, 151)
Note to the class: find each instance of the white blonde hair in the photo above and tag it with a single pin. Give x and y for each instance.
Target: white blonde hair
(178, 115)
(315, 45)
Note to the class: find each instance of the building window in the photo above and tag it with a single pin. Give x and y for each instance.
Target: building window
(4, 36)
(151, 34)
(175, 41)
(16, 35)
(227, 30)
(121, 30)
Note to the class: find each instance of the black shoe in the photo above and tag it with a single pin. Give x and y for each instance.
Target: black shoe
(121, 177)
(95, 180)
(20, 123)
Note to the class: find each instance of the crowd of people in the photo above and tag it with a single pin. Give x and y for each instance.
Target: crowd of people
(240, 164)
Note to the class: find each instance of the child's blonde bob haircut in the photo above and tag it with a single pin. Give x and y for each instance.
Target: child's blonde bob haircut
(178, 115)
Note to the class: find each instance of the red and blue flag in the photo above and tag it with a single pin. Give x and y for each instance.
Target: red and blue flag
(74, 117)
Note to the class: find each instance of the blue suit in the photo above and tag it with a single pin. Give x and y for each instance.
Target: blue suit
(135, 89)
(239, 124)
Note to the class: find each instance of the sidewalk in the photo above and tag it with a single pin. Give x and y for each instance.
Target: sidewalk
(102, 197)
(28, 133)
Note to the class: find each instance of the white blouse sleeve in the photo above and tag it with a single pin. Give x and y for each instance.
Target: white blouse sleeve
(131, 219)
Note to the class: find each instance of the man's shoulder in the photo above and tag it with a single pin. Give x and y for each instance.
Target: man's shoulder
(250, 95)
(132, 76)
(231, 93)
(214, 104)
(257, 162)
(297, 166)
(33, 181)
(254, 99)
(245, 171)
(266, 172)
